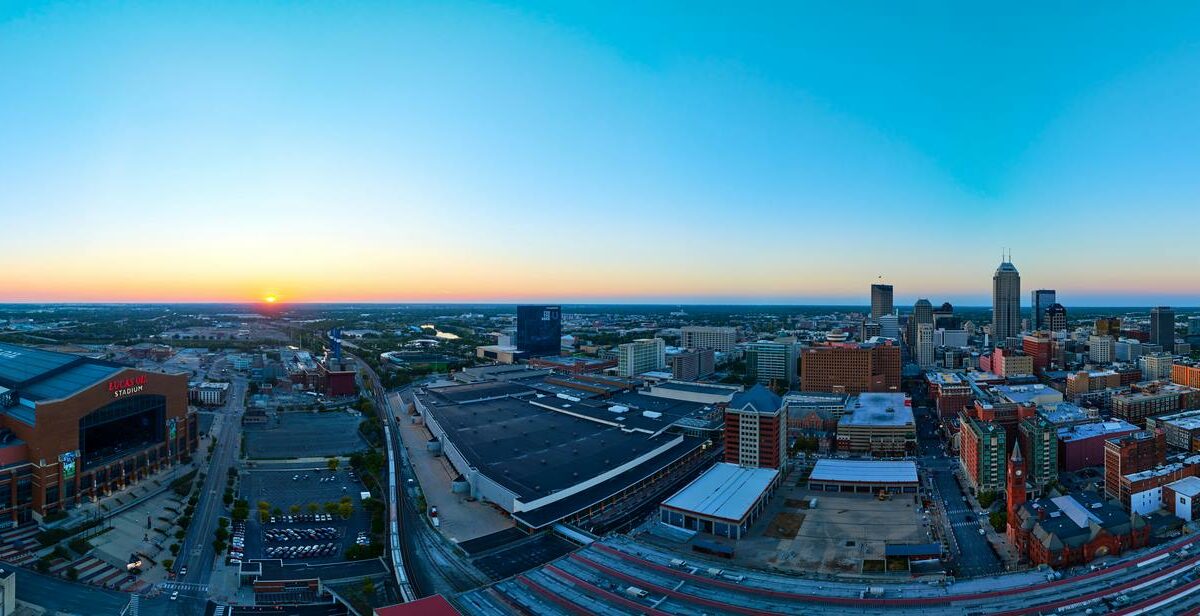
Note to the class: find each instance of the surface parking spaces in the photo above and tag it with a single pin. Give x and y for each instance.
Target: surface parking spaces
(308, 435)
(305, 519)
(291, 537)
(237, 543)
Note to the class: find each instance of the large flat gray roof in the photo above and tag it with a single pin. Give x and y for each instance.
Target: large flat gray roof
(725, 491)
(865, 471)
(878, 409)
(534, 451)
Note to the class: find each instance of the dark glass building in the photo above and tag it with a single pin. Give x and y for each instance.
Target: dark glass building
(1162, 328)
(1041, 299)
(539, 330)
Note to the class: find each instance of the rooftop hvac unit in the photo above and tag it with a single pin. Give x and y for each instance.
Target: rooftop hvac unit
(651, 414)
(618, 408)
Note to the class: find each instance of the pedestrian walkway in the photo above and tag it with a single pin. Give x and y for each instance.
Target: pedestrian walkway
(96, 572)
(203, 588)
(17, 544)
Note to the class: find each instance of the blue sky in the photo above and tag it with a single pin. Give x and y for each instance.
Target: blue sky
(591, 151)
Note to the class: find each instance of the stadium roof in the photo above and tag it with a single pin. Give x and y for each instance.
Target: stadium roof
(38, 374)
(865, 471)
(725, 491)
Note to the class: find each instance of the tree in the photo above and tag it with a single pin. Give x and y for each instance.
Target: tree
(313, 507)
(333, 463)
(346, 510)
(331, 508)
(294, 509)
(999, 520)
(368, 586)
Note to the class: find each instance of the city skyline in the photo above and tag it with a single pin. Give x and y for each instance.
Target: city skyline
(471, 153)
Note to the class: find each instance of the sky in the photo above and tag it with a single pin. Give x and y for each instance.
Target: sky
(597, 151)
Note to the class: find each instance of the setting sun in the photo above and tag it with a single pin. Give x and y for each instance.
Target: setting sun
(270, 299)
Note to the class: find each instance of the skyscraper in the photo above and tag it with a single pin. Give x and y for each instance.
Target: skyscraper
(1056, 318)
(881, 300)
(922, 315)
(1042, 299)
(539, 330)
(1006, 302)
(1162, 327)
(923, 349)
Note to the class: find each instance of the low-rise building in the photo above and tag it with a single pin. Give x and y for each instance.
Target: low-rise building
(208, 393)
(1152, 399)
(864, 476)
(950, 392)
(1142, 492)
(880, 424)
(1082, 445)
(1131, 453)
(725, 501)
(814, 414)
(1180, 428)
(1182, 498)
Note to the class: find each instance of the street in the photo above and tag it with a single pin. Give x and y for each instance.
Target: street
(197, 549)
(973, 555)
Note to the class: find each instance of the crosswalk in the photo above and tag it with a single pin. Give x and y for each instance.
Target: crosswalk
(183, 586)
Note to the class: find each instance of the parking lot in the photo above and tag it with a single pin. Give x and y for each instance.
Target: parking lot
(297, 496)
(304, 435)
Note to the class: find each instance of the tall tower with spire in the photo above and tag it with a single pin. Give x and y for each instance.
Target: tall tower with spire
(1015, 493)
(1006, 301)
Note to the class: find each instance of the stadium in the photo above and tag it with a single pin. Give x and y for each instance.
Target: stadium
(75, 428)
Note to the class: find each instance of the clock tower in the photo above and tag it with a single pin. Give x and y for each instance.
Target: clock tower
(1015, 493)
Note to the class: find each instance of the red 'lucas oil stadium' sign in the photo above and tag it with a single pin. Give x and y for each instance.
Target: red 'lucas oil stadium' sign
(124, 387)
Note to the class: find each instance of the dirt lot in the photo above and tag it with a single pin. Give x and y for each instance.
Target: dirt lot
(785, 525)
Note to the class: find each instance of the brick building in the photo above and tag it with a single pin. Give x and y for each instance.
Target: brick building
(1186, 375)
(1131, 453)
(75, 428)
(1007, 364)
(950, 393)
(755, 430)
(851, 368)
(982, 446)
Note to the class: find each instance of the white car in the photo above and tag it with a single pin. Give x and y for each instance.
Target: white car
(175, 596)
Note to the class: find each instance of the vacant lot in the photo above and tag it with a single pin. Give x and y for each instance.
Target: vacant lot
(785, 525)
(841, 535)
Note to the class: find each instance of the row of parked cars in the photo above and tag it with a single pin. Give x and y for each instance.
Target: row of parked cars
(302, 551)
(301, 517)
(237, 543)
(279, 535)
